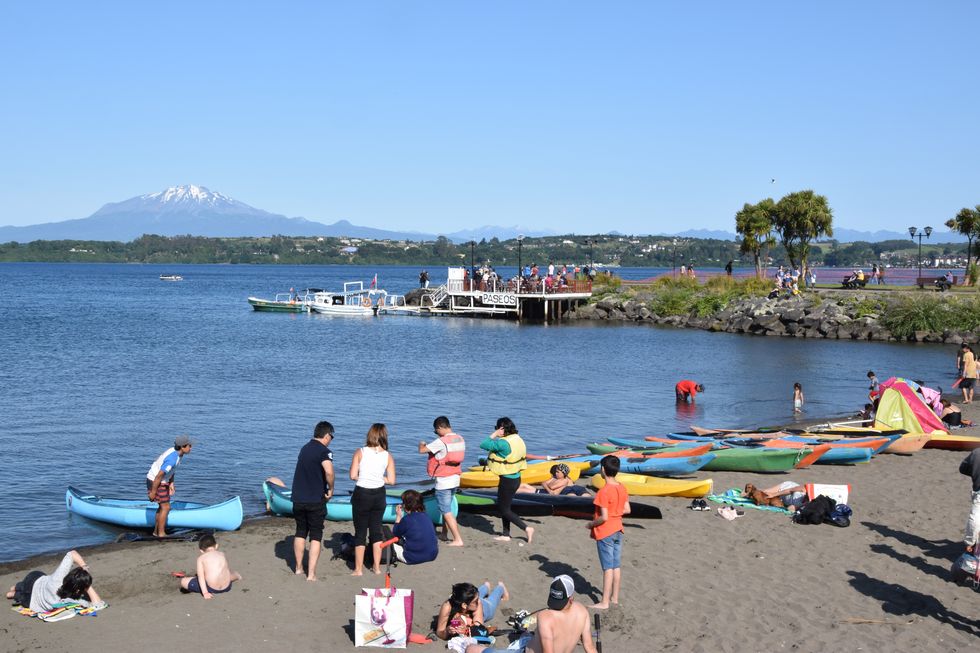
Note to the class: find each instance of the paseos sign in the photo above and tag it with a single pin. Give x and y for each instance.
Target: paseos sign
(499, 298)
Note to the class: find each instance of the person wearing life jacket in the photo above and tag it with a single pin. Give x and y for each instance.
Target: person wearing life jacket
(445, 464)
(507, 457)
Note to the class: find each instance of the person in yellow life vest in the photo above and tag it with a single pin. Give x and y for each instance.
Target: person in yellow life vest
(445, 464)
(507, 457)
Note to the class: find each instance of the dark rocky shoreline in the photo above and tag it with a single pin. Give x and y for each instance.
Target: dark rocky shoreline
(818, 314)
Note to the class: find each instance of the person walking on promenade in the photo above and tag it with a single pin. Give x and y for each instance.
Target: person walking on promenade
(687, 390)
(445, 462)
(160, 481)
(371, 468)
(611, 502)
(507, 457)
(313, 483)
(728, 268)
(971, 467)
(797, 398)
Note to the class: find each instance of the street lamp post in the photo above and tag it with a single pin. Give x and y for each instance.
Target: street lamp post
(673, 267)
(472, 262)
(591, 242)
(520, 270)
(919, 233)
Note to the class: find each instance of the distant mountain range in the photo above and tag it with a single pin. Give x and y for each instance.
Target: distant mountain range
(197, 211)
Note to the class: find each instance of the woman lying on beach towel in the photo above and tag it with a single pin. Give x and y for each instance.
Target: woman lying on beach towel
(40, 593)
(559, 483)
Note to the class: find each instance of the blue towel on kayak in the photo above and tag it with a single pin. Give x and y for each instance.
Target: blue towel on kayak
(733, 497)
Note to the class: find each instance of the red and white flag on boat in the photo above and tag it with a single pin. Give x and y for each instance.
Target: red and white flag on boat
(374, 281)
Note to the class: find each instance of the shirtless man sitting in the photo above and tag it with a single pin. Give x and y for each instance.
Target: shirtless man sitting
(560, 628)
(213, 575)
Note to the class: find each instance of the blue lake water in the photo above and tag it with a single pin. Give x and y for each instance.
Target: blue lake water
(102, 365)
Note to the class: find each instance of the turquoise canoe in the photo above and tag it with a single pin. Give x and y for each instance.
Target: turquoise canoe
(665, 466)
(141, 513)
(339, 508)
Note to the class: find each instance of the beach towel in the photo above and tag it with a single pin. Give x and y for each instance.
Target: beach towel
(62, 611)
(733, 497)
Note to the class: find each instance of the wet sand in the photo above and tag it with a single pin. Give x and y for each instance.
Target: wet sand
(691, 582)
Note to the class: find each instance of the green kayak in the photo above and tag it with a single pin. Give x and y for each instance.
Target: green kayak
(755, 460)
(603, 449)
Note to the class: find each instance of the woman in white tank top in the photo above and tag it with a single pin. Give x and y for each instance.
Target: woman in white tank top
(371, 468)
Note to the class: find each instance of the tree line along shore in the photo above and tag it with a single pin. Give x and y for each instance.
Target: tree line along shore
(603, 249)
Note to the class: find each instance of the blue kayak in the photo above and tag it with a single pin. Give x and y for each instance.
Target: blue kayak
(141, 513)
(339, 508)
(665, 466)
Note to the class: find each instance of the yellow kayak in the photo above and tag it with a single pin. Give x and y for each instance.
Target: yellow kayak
(953, 442)
(536, 473)
(653, 486)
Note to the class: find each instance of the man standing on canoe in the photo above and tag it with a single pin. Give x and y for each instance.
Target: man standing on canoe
(686, 390)
(160, 481)
(312, 488)
(446, 454)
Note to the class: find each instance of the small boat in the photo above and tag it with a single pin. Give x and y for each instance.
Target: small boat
(355, 300)
(953, 442)
(477, 477)
(285, 302)
(654, 486)
(760, 460)
(141, 513)
(679, 450)
(665, 466)
(487, 505)
(171, 277)
(280, 502)
(909, 443)
(576, 507)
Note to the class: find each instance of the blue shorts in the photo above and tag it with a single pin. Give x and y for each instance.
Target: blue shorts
(610, 548)
(445, 500)
(193, 585)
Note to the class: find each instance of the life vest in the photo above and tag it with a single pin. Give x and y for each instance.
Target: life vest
(515, 462)
(450, 464)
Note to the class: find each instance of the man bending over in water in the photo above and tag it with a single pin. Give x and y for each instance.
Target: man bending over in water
(213, 574)
(560, 628)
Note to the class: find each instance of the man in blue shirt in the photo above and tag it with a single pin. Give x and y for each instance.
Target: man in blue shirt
(312, 488)
(160, 481)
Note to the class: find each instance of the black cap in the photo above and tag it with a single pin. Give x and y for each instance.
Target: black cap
(561, 592)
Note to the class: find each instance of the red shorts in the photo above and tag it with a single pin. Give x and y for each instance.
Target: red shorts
(163, 491)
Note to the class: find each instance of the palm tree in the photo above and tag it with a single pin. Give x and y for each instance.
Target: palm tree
(754, 223)
(801, 217)
(967, 222)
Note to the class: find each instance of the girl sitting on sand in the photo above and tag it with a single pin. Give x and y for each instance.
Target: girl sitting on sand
(559, 483)
(468, 606)
(39, 592)
(415, 531)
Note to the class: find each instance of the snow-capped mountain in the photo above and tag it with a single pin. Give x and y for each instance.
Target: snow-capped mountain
(182, 200)
(198, 211)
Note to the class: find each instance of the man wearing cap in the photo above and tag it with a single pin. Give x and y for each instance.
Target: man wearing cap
(686, 390)
(560, 628)
(160, 481)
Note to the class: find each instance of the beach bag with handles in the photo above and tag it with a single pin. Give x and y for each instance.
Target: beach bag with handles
(383, 617)
(967, 568)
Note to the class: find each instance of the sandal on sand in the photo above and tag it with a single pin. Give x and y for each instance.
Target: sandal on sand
(695, 505)
(728, 513)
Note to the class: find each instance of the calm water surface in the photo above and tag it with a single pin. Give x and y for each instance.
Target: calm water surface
(102, 365)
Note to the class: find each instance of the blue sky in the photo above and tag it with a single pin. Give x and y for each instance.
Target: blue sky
(583, 117)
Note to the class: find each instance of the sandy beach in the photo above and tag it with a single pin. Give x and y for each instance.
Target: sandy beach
(691, 582)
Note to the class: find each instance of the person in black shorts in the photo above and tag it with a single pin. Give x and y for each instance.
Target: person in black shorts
(312, 488)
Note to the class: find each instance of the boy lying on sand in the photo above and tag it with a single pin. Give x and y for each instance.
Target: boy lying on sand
(213, 574)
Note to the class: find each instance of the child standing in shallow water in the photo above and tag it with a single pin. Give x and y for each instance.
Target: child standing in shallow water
(213, 575)
(797, 398)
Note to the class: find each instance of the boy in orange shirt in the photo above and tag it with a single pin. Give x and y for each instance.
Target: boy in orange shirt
(611, 503)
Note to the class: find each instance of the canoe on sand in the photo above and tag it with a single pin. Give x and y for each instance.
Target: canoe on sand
(654, 486)
(141, 513)
(953, 442)
(536, 473)
(762, 459)
(280, 502)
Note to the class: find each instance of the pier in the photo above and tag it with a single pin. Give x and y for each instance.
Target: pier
(528, 299)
